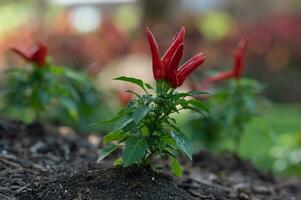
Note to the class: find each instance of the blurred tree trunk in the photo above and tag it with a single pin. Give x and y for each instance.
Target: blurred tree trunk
(157, 10)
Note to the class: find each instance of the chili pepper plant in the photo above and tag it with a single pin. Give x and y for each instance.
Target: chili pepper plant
(41, 91)
(233, 104)
(146, 127)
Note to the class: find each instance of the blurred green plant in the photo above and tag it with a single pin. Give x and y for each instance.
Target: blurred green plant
(43, 92)
(233, 106)
(286, 153)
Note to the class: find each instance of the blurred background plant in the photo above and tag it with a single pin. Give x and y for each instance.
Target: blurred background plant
(106, 39)
(233, 102)
(41, 92)
(233, 107)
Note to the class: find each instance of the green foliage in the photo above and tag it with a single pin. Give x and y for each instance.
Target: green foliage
(286, 154)
(233, 106)
(49, 93)
(237, 106)
(146, 129)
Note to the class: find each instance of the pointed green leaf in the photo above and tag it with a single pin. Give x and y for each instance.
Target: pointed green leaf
(111, 120)
(70, 106)
(131, 80)
(123, 122)
(117, 162)
(182, 102)
(199, 105)
(191, 93)
(114, 136)
(148, 86)
(132, 92)
(195, 92)
(106, 151)
(182, 142)
(171, 150)
(176, 168)
(140, 113)
(135, 150)
(197, 110)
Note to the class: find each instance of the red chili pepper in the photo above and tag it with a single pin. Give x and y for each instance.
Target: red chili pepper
(124, 97)
(239, 58)
(216, 78)
(166, 68)
(177, 41)
(158, 68)
(171, 74)
(36, 55)
(236, 70)
(189, 67)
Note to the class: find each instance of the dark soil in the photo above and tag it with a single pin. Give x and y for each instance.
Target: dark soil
(38, 162)
(30, 155)
(111, 184)
(227, 177)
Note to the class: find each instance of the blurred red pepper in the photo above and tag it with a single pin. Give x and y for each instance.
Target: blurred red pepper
(237, 67)
(35, 55)
(166, 68)
(124, 97)
(239, 58)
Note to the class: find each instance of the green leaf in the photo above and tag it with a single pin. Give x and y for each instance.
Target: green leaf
(183, 143)
(182, 102)
(175, 127)
(199, 105)
(171, 150)
(44, 97)
(176, 168)
(106, 151)
(131, 80)
(194, 93)
(135, 150)
(118, 162)
(196, 110)
(191, 93)
(121, 114)
(132, 92)
(70, 106)
(148, 86)
(74, 75)
(140, 113)
(114, 136)
(123, 122)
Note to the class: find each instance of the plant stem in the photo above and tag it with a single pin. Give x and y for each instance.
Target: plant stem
(237, 141)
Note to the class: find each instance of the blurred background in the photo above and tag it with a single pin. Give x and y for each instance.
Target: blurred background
(106, 38)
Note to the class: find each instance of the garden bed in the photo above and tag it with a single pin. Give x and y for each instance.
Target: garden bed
(226, 176)
(115, 183)
(39, 162)
(33, 154)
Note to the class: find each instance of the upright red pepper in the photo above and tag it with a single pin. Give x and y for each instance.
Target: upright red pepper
(216, 78)
(171, 75)
(166, 68)
(237, 69)
(189, 67)
(239, 58)
(35, 55)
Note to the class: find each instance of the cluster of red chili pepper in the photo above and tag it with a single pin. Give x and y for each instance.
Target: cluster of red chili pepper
(166, 68)
(237, 69)
(35, 55)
